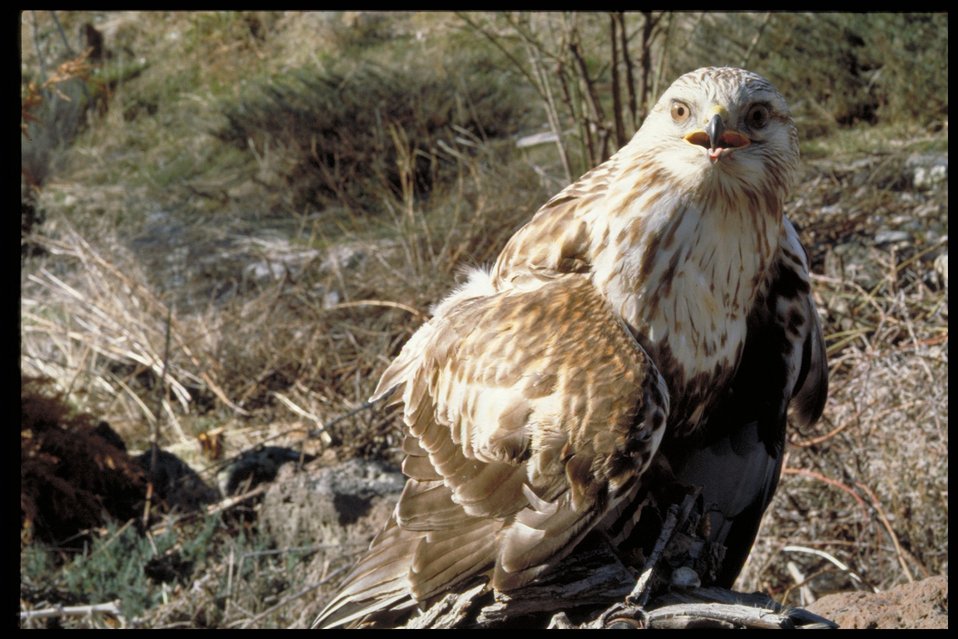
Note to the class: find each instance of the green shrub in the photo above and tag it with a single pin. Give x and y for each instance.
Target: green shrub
(121, 565)
(344, 133)
(847, 67)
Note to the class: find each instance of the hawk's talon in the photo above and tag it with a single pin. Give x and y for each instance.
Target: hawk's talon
(623, 615)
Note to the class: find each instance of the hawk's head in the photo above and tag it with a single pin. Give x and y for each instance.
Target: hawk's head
(726, 128)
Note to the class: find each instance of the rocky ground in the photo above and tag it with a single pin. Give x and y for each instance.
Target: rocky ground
(922, 604)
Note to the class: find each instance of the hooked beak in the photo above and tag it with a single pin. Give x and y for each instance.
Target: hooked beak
(714, 129)
(715, 137)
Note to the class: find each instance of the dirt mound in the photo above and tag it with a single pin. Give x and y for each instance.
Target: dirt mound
(923, 604)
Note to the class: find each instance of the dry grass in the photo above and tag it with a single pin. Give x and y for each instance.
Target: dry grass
(102, 335)
(311, 331)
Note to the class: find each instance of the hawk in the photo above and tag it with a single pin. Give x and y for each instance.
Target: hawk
(656, 310)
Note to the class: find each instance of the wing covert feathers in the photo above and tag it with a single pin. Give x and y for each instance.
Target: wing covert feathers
(529, 414)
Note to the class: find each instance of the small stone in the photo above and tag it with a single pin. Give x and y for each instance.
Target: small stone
(941, 268)
(685, 578)
(891, 237)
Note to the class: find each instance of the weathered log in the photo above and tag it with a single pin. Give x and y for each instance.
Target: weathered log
(596, 588)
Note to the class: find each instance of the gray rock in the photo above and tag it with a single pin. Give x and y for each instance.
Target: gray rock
(175, 483)
(342, 505)
(891, 237)
(259, 465)
(929, 169)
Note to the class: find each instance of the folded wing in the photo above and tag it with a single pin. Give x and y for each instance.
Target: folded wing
(529, 414)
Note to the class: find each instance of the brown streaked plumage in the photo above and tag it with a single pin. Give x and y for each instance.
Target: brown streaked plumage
(657, 309)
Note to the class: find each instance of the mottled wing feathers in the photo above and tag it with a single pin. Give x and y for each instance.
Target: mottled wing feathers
(786, 309)
(529, 413)
(377, 585)
(810, 389)
(557, 239)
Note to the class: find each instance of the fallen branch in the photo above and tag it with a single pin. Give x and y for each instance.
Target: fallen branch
(111, 608)
(595, 589)
(876, 504)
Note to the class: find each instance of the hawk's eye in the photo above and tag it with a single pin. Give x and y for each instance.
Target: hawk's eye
(757, 116)
(680, 112)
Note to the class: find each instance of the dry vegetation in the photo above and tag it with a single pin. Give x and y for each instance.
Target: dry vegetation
(200, 256)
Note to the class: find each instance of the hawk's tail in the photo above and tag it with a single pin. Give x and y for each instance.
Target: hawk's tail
(377, 590)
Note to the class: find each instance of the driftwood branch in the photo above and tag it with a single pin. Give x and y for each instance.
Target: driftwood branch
(595, 577)
(721, 608)
(708, 607)
(596, 589)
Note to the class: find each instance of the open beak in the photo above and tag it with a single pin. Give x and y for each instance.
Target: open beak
(715, 137)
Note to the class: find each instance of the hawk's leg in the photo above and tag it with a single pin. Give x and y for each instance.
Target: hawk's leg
(631, 612)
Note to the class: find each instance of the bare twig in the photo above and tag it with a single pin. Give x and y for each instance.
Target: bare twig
(386, 303)
(545, 90)
(830, 558)
(804, 472)
(755, 39)
(876, 503)
(620, 138)
(63, 35)
(109, 608)
(494, 39)
(648, 25)
(597, 153)
(212, 509)
(629, 73)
